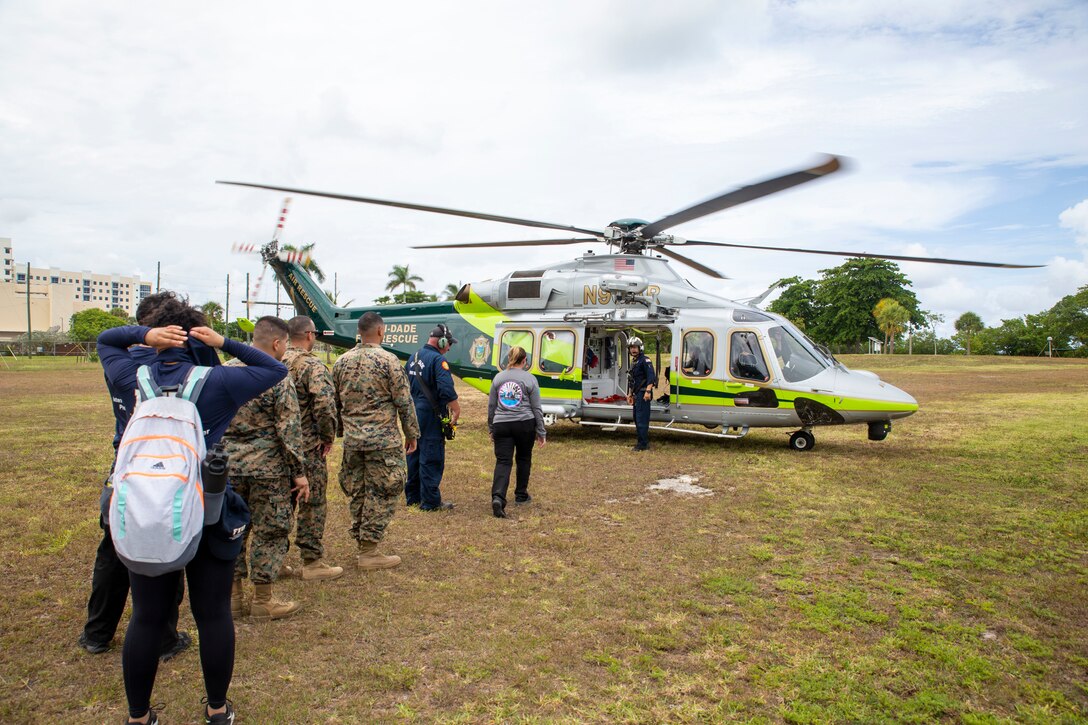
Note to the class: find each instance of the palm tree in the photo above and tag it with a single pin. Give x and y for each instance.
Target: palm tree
(401, 277)
(309, 265)
(968, 325)
(451, 291)
(335, 298)
(891, 318)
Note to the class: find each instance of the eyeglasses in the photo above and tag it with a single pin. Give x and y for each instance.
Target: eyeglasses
(312, 332)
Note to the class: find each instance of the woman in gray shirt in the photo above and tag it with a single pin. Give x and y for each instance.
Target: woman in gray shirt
(514, 419)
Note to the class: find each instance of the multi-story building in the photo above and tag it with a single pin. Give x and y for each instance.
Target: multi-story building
(7, 260)
(57, 294)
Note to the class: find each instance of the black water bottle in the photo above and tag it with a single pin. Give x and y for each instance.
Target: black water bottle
(214, 470)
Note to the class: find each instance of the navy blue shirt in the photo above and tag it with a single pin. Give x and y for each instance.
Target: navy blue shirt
(226, 388)
(641, 375)
(429, 367)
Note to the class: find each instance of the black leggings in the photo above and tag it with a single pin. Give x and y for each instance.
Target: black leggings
(210, 581)
(518, 436)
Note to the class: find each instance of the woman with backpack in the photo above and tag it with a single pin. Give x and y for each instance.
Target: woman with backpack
(210, 571)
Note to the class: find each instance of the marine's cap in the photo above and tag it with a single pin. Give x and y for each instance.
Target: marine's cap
(225, 538)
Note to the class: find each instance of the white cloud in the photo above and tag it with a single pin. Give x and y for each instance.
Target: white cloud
(1076, 219)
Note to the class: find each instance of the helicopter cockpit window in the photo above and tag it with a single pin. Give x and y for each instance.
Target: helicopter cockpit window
(746, 358)
(794, 359)
(557, 351)
(516, 338)
(697, 354)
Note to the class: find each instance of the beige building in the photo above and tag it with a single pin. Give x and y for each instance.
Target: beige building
(7, 260)
(56, 295)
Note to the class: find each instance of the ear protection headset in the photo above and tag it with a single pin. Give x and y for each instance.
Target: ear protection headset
(445, 331)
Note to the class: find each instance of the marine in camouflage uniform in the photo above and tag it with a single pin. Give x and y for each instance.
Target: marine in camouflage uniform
(317, 405)
(371, 393)
(265, 445)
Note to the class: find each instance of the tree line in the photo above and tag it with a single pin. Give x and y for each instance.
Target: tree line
(871, 298)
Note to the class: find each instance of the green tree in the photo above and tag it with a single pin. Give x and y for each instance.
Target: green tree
(1068, 322)
(309, 265)
(967, 326)
(401, 277)
(837, 309)
(214, 312)
(89, 324)
(797, 301)
(892, 318)
(334, 297)
(120, 312)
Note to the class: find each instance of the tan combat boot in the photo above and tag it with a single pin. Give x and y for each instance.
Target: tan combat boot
(238, 606)
(286, 572)
(265, 607)
(315, 570)
(369, 558)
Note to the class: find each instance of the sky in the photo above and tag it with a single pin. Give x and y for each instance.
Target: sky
(965, 123)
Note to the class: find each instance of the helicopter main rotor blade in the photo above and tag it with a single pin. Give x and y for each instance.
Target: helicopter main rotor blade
(421, 207)
(896, 257)
(522, 243)
(742, 195)
(692, 263)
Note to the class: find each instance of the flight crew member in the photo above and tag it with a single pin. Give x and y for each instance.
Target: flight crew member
(640, 390)
(264, 443)
(371, 393)
(435, 398)
(317, 406)
(109, 582)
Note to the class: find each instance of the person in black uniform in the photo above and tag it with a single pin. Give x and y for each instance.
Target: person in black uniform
(640, 391)
(432, 391)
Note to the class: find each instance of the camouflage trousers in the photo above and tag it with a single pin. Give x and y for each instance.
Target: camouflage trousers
(372, 481)
(310, 528)
(269, 501)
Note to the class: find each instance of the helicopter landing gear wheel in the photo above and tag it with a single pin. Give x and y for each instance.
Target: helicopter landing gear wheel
(802, 440)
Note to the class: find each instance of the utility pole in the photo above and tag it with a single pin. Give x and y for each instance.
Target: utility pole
(29, 332)
(247, 296)
(158, 277)
(226, 308)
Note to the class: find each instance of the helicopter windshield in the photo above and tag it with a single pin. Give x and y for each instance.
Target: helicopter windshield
(795, 359)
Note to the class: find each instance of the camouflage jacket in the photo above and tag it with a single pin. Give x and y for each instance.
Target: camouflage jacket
(265, 438)
(371, 391)
(316, 399)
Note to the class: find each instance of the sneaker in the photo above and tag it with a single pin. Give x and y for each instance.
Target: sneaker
(182, 643)
(92, 647)
(444, 506)
(498, 508)
(223, 718)
(523, 501)
(153, 712)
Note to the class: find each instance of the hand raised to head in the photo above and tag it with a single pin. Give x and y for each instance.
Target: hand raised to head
(208, 336)
(164, 338)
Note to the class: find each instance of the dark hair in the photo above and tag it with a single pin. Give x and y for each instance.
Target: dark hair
(299, 326)
(166, 308)
(269, 328)
(369, 321)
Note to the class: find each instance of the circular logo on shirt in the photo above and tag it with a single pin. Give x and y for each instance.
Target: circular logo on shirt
(510, 394)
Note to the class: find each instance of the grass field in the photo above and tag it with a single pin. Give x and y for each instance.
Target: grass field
(941, 575)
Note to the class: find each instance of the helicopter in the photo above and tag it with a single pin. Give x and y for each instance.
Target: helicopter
(729, 366)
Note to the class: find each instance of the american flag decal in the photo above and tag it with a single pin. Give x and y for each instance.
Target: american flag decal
(624, 265)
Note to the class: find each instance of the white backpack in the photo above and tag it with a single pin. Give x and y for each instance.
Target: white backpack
(157, 507)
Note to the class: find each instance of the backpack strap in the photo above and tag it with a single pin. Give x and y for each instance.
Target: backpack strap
(147, 387)
(194, 383)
